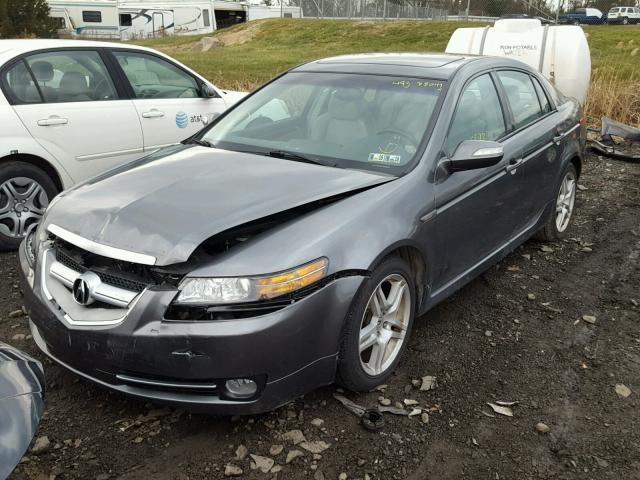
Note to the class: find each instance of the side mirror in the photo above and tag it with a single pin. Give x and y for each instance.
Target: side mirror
(473, 154)
(207, 91)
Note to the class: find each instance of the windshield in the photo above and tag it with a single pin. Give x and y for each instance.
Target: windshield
(345, 120)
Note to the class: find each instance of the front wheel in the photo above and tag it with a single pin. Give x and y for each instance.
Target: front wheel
(377, 327)
(25, 192)
(625, 21)
(559, 221)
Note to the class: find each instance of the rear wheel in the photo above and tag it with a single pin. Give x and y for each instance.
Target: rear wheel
(559, 221)
(377, 327)
(625, 21)
(25, 192)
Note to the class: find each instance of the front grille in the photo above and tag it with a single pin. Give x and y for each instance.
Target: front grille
(108, 278)
(121, 274)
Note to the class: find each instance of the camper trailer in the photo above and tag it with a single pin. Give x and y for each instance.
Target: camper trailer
(127, 20)
(111, 19)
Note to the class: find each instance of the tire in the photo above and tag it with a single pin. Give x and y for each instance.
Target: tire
(552, 231)
(25, 192)
(355, 368)
(625, 21)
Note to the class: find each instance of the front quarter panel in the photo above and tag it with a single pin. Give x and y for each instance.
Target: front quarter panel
(232, 97)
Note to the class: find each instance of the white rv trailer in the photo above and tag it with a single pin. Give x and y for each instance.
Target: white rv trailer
(126, 20)
(130, 19)
(256, 12)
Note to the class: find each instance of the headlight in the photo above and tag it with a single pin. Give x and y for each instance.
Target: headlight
(250, 289)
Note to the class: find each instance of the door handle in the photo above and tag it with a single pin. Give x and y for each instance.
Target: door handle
(153, 113)
(513, 164)
(47, 122)
(560, 134)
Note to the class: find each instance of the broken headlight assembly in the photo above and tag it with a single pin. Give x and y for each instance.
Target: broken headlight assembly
(228, 290)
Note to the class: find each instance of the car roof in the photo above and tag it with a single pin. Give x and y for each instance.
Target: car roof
(12, 48)
(437, 66)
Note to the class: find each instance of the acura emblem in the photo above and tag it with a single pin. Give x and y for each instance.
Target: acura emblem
(83, 288)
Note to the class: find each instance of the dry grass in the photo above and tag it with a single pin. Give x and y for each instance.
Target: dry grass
(614, 97)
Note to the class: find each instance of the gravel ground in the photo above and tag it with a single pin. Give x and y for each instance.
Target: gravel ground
(555, 328)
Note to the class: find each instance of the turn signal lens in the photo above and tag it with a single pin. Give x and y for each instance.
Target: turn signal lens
(211, 291)
(269, 287)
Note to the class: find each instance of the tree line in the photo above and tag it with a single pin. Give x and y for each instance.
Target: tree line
(25, 18)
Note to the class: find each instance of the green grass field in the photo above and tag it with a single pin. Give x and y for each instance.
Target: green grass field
(256, 51)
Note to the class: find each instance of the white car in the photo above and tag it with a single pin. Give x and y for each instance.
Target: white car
(624, 15)
(71, 109)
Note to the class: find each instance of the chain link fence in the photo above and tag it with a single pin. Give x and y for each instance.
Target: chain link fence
(370, 9)
(480, 10)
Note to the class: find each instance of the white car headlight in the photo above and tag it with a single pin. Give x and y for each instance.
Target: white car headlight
(250, 289)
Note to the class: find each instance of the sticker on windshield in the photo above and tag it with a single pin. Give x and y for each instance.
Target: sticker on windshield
(182, 120)
(406, 83)
(384, 158)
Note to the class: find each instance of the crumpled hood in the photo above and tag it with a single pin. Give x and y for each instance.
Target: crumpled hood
(166, 207)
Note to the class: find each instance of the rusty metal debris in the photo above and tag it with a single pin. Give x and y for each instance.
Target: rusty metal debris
(607, 145)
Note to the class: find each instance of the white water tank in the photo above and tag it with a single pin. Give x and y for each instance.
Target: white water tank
(560, 53)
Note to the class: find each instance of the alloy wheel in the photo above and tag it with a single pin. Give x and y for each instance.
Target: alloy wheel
(565, 201)
(22, 203)
(384, 324)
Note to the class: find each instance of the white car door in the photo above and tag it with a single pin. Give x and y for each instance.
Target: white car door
(170, 101)
(75, 111)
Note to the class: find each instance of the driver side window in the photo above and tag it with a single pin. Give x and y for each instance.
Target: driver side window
(153, 77)
(68, 76)
(478, 115)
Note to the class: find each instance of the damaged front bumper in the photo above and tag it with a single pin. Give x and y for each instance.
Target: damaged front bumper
(288, 352)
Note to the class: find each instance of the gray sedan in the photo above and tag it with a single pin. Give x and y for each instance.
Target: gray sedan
(293, 241)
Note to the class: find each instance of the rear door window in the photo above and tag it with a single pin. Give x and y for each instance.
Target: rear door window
(542, 96)
(19, 84)
(72, 76)
(522, 97)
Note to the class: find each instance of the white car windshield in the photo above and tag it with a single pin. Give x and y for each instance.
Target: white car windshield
(360, 121)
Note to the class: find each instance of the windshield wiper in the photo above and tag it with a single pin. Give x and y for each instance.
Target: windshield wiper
(287, 155)
(200, 141)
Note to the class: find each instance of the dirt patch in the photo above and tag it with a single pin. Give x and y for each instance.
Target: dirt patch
(240, 35)
(223, 39)
(517, 333)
